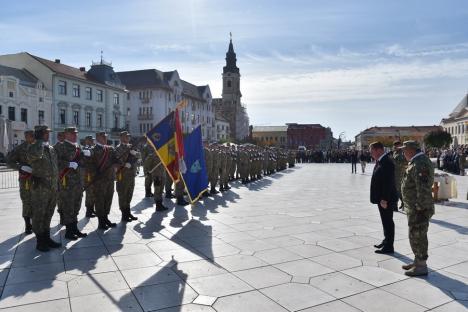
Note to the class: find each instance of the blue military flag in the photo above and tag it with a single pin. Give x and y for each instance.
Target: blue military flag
(195, 177)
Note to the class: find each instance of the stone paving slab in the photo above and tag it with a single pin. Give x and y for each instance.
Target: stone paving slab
(301, 239)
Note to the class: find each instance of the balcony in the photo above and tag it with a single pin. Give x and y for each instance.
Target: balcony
(145, 116)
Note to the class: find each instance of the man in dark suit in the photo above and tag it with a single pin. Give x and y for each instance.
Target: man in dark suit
(383, 193)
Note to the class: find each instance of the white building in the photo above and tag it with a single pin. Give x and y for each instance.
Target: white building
(222, 129)
(24, 103)
(457, 123)
(92, 101)
(153, 94)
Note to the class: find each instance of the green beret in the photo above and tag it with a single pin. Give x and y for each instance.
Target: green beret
(124, 133)
(89, 137)
(101, 133)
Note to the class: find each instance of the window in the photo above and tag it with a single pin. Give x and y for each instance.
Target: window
(128, 96)
(229, 83)
(116, 120)
(63, 118)
(1, 110)
(99, 97)
(62, 87)
(11, 94)
(76, 118)
(116, 99)
(76, 90)
(99, 120)
(89, 93)
(24, 115)
(11, 113)
(41, 116)
(88, 119)
(41, 99)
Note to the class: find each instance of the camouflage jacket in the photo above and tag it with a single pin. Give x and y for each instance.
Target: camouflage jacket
(417, 185)
(400, 164)
(43, 160)
(18, 157)
(66, 153)
(122, 152)
(103, 160)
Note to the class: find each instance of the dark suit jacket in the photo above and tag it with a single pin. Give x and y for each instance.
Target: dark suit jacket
(383, 181)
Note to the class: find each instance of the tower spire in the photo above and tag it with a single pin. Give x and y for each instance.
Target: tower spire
(231, 59)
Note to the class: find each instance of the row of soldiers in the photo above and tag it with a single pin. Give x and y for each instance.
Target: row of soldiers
(59, 175)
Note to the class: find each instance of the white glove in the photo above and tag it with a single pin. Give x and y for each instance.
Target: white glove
(87, 153)
(128, 165)
(133, 152)
(26, 169)
(73, 165)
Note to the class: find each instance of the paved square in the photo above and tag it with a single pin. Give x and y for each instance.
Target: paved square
(299, 240)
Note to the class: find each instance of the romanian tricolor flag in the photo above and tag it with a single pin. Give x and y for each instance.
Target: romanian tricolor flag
(164, 139)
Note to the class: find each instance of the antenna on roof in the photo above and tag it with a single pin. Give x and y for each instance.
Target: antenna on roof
(230, 35)
(101, 55)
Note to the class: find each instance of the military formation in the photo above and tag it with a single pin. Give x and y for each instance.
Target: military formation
(60, 175)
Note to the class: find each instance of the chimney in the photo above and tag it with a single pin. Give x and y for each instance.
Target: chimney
(82, 69)
(57, 61)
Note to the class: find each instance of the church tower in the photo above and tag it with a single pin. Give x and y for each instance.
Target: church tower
(229, 106)
(231, 78)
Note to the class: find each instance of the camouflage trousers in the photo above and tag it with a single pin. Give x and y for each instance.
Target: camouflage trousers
(25, 195)
(125, 189)
(103, 192)
(70, 197)
(213, 177)
(159, 183)
(148, 181)
(179, 189)
(418, 225)
(44, 197)
(168, 183)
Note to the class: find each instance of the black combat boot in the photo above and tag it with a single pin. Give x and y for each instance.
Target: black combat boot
(148, 193)
(77, 230)
(90, 212)
(102, 224)
(50, 242)
(132, 217)
(109, 223)
(70, 232)
(27, 225)
(160, 206)
(170, 195)
(213, 191)
(125, 217)
(221, 188)
(205, 194)
(61, 218)
(227, 187)
(181, 201)
(41, 244)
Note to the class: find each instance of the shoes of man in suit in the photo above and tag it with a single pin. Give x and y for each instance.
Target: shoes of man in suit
(419, 269)
(379, 245)
(385, 251)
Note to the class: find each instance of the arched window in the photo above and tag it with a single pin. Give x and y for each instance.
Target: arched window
(229, 83)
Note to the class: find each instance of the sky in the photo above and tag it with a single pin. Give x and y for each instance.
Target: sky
(347, 65)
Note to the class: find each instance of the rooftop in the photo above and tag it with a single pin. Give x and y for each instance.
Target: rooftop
(270, 129)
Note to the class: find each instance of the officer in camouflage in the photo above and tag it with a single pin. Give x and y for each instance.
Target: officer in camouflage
(17, 159)
(126, 175)
(419, 204)
(69, 156)
(145, 152)
(43, 160)
(60, 140)
(156, 171)
(104, 159)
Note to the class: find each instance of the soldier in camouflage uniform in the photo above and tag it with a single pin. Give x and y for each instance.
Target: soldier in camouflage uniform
(88, 176)
(69, 156)
(157, 174)
(126, 175)
(400, 168)
(60, 140)
(17, 159)
(214, 171)
(104, 159)
(419, 204)
(43, 160)
(145, 151)
(168, 187)
(208, 164)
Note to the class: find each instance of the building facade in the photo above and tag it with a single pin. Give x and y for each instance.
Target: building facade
(222, 129)
(271, 135)
(153, 94)
(92, 101)
(387, 135)
(24, 103)
(457, 123)
(230, 105)
(312, 136)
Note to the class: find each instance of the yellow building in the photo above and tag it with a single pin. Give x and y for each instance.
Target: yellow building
(270, 135)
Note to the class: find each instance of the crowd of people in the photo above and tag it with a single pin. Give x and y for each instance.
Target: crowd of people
(59, 176)
(451, 160)
(332, 156)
